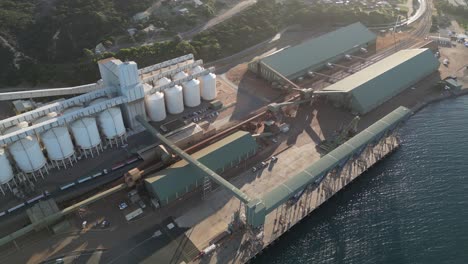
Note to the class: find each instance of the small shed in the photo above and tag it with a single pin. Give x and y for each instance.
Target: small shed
(453, 84)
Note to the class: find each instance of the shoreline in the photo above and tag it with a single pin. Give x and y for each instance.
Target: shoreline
(418, 107)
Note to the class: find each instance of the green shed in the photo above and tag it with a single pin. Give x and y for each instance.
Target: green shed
(365, 90)
(180, 178)
(314, 54)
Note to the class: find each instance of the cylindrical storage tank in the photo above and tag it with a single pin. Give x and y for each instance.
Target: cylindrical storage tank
(26, 152)
(179, 75)
(6, 172)
(147, 88)
(85, 131)
(155, 106)
(208, 90)
(197, 69)
(192, 93)
(174, 100)
(57, 140)
(110, 121)
(163, 81)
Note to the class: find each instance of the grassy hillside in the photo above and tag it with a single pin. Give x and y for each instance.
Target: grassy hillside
(57, 36)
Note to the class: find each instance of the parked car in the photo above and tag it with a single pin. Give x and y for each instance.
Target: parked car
(131, 193)
(105, 224)
(142, 204)
(274, 159)
(122, 205)
(254, 169)
(264, 164)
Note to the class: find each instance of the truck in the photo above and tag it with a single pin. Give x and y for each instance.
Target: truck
(132, 215)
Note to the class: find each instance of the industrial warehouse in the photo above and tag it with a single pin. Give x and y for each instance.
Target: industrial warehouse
(172, 183)
(314, 54)
(164, 154)
(363, 91)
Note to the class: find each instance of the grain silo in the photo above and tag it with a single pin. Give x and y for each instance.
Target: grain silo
(6, 171)
(208, 84)
(58, 143)
(27, 153)
(162, 81)
(174, 99)
(192, 93)
(111, 123)
(179, 75)
(155, 106)
(197, 69)
(86, 133)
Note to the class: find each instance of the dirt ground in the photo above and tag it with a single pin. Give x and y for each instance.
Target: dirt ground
(226, 93)
(458, 60)
(236, 74)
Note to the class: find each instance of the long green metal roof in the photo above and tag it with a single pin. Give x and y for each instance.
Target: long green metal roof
(286, 190)
(181, 175)
(379, 82)
(319, 50)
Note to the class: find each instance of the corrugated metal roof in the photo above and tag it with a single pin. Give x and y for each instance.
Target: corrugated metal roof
(181, 175)
(298, 182)
(319, 50)
(379, 82)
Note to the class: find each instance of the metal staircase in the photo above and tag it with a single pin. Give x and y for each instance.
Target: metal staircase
(206, 187)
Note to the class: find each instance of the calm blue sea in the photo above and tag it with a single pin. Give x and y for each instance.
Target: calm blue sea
(410, 208)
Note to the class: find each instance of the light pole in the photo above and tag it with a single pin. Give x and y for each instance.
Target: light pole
(394, 30)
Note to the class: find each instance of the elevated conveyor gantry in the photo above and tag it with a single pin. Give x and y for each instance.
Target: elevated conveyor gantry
(213, 175)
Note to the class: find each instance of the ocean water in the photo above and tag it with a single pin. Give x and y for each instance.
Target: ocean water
(412, 207)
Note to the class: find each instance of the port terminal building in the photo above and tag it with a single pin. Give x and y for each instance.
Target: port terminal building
(365, 90)
(314, 54)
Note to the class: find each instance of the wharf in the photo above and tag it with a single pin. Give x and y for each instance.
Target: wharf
(211, 217)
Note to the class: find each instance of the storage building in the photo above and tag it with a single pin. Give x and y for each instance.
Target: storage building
(180, 178)
(314, 54)
(376, 84)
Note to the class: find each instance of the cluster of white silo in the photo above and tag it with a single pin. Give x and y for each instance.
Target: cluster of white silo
(58, 143)
(111, 123)
(174, 98)
(86, 134)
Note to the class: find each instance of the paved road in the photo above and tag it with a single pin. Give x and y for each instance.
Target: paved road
(241, 6)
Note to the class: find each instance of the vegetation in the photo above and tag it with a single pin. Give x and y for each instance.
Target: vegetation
(60, 39)
(460, 13)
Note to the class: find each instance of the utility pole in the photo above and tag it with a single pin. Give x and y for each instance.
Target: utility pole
(394, 31)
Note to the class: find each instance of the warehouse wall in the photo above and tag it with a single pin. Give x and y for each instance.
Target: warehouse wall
(181, 178)
(378, 83)
(381, 89)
